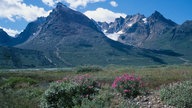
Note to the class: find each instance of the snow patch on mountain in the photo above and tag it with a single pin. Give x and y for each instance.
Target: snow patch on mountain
(145, 20)
(113, 36)
(130, 24)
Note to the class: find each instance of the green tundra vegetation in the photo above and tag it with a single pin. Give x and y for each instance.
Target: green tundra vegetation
(93, 86)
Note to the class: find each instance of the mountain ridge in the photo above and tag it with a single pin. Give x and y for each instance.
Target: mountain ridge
(135, 29)
(68, 38)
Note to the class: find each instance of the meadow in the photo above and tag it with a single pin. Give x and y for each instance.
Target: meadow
(24, 88)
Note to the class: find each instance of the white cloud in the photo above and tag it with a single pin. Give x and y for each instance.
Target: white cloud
(76, 3)
(113, 3)
(14, 9)
(72, 3)
(10, 32)
(103, 15)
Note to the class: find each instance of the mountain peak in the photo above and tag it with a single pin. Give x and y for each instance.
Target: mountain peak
(60, 5)
(157, 12)
(157, 15)
(120, 19)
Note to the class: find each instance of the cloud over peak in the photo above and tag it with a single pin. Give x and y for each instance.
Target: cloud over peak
(72, 3)
(103, 15)
(76, 3)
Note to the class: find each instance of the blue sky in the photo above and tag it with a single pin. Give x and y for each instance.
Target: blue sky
(16, 14)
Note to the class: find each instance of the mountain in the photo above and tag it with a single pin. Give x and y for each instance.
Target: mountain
(136, 29)
(159, 25)
(18, 58)
(4, 38)
(154, 32)
(32, 27)
(29, 31)
(69, 38)
(178, 39)
(11, 57)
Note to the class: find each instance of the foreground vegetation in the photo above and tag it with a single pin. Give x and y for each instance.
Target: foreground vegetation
(26, 88)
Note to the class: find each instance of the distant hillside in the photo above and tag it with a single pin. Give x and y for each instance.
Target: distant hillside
(178, 39)
(18, 58)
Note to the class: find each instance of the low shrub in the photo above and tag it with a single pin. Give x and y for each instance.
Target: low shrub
(128, 85)
(85, 69)
(102, 100)
(20, 98)
(59, 95)
(69, 92)
(18, 82)
(87, 85)
(178, 94)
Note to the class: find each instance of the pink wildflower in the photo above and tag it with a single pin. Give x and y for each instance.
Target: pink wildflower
(114, 85)
(126, 91)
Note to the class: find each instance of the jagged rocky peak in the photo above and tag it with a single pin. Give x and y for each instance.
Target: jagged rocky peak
(138, 16)
(119, 20)
(61, 23)
(134, 17)
(63, 14)
(60, 5)
(61, 8)
(157, 15)
(135, 29)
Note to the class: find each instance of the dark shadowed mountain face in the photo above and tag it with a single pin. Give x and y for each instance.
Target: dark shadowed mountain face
(136, 29)
(69, 38)
(29, 31)
(4, 38)
(17, 58)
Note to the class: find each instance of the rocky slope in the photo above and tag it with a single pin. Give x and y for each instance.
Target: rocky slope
(136, 29)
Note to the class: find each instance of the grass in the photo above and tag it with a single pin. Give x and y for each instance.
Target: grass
(18, 82)
(28, 96)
